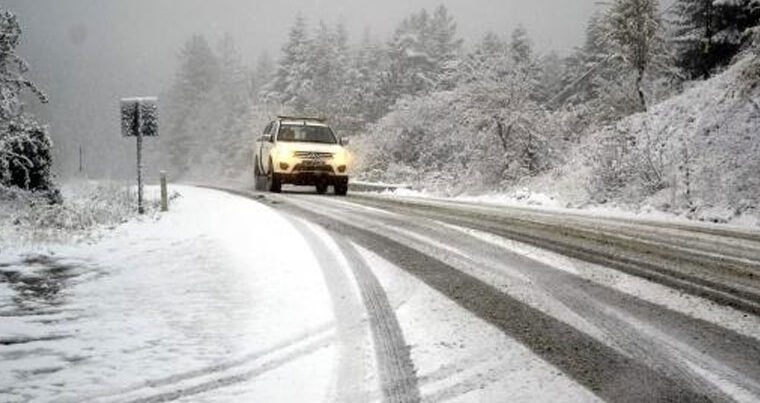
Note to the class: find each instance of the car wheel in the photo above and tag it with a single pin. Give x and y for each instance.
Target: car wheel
(341, 190)
(322, 188)
(273, 182)
(259, 181)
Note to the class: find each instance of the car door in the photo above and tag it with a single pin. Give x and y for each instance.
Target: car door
(266, 146)
(258, 152)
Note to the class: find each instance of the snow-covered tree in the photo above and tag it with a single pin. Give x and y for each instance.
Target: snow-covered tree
(197, 76)
(635, 34)
(422, 50)
(328, 61)
(520, 46)
(590, 76)
(488, 131)
(497, 98)
(366, 79)
(262, 75)
(292, 80)
(208, 111)
(709, 33)
(25, 146)
(233, 98)
(444, 46)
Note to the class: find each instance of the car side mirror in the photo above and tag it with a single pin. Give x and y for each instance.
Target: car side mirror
(344, 141)
(267, 138)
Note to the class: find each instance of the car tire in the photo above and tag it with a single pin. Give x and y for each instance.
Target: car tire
(273, 182)
(259, 180)
(341, 189)
(321, 188)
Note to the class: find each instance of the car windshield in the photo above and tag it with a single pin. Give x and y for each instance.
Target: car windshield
(306, 134)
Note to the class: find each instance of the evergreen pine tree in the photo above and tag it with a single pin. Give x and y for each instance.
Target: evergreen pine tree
(293, 79)
(262, 75)
(370, 62)
(234, 104)
(520, 46)
(422, 52)
(709, 33)
(192, 88)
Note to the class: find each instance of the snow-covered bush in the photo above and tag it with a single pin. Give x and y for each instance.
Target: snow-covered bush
(27, 159)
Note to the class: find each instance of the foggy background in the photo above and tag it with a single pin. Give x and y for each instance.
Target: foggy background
(89, 53)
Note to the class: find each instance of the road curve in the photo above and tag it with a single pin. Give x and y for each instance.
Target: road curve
(620, 344)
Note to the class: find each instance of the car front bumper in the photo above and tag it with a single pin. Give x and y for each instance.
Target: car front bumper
(306, 178)
(306, 172)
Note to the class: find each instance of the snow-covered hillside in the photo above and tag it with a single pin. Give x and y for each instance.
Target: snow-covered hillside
(695, 154)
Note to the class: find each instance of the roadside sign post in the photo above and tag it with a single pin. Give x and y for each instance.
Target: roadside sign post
(139, 118)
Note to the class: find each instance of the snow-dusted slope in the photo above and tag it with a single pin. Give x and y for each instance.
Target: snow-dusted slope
(707, 141)
(696, 154)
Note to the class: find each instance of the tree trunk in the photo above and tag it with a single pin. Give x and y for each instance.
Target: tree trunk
(531, 154)
(707, 39)
(502, 135)
(642, 98)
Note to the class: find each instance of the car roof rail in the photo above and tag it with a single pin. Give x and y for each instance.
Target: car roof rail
(283, 117)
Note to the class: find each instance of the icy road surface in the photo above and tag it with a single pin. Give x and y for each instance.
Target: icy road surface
(298, 297)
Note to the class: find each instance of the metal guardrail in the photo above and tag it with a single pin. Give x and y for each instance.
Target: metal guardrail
(374, 187)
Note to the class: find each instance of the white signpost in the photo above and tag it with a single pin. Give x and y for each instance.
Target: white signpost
(139, 118)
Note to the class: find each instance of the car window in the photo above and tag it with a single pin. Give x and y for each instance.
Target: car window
(306, 134)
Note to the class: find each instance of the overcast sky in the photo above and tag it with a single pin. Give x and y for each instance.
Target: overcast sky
(141, 29)
(89, 53)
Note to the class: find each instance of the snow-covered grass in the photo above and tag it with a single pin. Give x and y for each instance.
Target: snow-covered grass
(87, 207)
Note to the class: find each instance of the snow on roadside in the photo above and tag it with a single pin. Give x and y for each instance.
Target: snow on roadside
(209, 283)
(545, 202)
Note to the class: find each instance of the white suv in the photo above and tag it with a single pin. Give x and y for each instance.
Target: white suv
(300, 151)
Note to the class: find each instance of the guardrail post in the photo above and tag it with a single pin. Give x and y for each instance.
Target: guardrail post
(164, 193)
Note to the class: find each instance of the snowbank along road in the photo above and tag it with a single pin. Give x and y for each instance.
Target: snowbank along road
(595, 308)
(236, 295)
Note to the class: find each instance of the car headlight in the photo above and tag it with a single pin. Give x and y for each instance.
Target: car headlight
(341, 158)
(284, 155)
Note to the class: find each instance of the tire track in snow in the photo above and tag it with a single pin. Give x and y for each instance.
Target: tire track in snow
(215, 377)
(397, 373)
(395, 366)
(398, 380)
(354, 368)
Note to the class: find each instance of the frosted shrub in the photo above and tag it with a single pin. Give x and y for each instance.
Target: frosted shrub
(86, 207)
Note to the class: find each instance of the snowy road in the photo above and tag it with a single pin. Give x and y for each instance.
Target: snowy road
(244, 296)
(651, 325)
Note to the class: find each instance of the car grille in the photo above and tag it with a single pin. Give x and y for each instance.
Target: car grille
(313, 155)
(314, 168)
